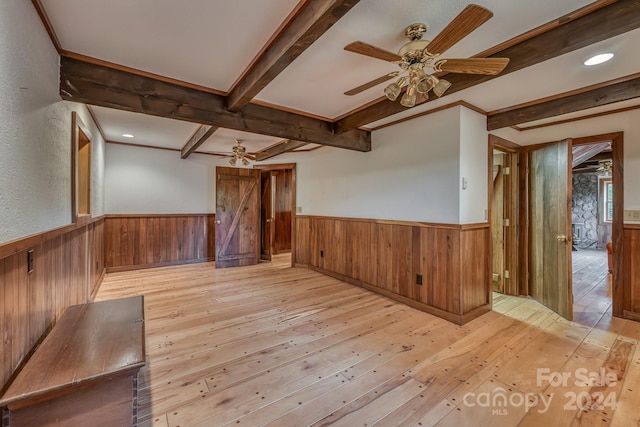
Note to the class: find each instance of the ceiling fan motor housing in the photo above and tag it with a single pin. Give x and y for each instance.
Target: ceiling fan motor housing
(413, 52)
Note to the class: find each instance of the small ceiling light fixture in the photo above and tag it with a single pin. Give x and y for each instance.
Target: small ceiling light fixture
(239, 152)
(127, 135)
(598, 59)
(605, 168)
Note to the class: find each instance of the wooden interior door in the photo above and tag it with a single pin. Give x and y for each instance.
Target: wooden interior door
(550, 227)
(267, 182)
(237, 217)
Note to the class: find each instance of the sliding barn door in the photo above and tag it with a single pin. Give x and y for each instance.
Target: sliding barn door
(550, 227)
(237, 217)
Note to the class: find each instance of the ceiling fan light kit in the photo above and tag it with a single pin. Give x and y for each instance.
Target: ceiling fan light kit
(416, 55)
(239, 153)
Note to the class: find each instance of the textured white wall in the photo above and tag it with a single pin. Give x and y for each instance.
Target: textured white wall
(473, 166)
(147, 181)
(627, 122)
(412, 173)
(35, 130)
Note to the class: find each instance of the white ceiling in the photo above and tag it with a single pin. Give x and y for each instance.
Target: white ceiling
(211, 43)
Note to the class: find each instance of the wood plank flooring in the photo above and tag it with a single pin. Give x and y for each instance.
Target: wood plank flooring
(280, 346)
(591, 291)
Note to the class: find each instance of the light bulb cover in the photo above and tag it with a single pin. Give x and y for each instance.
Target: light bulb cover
(409, 98)
(425, 84)
(441, 87)
(392, 91)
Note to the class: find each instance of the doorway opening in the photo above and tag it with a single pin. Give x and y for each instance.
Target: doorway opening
(504, 202)
(277, 217)
(503, 215)
(81, 168)
(592, 208)
(552, 227)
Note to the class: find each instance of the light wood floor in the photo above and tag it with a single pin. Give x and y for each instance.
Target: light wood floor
(591, 291)
(273, 345)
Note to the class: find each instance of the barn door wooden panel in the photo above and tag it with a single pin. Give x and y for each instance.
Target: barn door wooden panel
(550, 227)
(237, 217)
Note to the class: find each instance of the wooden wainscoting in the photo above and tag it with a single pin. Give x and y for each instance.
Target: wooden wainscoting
(631, 279)
(145, 241)
(387, 256)
(68, 267)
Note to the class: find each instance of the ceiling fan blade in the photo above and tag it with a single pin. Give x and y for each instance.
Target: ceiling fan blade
(375, 52)
(489, 66)
(218, 153)
(372, 83)
(250, 157)
(462, 25)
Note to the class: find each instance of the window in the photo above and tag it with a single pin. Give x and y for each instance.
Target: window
(606, 200)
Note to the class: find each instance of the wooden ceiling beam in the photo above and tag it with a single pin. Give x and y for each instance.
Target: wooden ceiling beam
(599, 96)
(279, 148)
(95, 84)
(197, 139)
(310, 22)
(601, 24)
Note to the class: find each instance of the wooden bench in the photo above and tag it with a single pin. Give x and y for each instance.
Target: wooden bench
(85, 371)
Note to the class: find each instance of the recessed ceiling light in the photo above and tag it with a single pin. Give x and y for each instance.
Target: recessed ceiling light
(127, 135)
(598, 59)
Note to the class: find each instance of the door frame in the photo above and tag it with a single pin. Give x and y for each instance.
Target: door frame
(294, 190)
(619, 290)
(513, 265)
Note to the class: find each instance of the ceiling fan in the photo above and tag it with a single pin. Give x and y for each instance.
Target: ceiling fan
(239, 153)
(417, 55)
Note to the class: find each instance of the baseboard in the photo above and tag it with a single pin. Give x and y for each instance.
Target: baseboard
(458, 319)
(96, 288)
(632, 315)
(156, 265)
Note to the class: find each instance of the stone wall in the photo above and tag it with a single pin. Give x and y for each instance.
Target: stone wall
(584, 212)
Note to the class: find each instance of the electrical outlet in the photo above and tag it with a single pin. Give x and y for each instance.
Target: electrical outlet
(419, 279)
(630, 215)
(298, 209)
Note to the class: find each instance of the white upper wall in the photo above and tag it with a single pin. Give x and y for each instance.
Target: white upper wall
(627, 122)
(412, 173)
(35, 130)
(150, 181)
(473, 166)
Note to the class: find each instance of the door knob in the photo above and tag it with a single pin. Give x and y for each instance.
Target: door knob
(561, 238)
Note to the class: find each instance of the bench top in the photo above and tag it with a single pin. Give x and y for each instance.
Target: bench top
(90, 342)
